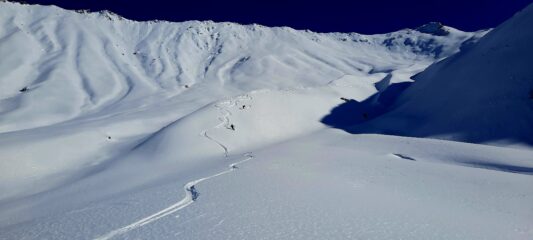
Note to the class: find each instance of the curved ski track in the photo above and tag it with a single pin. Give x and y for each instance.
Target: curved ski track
(191, 194)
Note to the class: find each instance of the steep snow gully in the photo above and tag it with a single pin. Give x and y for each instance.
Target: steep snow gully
(191, 193)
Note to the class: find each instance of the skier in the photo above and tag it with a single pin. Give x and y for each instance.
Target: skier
(194, 193)
(232, 127)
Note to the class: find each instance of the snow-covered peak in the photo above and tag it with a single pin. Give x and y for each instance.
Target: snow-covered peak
(434, 28)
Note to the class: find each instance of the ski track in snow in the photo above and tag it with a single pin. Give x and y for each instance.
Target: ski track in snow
(191, 194)
(222, 108)
(204, 133)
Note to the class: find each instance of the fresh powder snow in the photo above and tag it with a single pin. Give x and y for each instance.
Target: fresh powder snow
(117, 129)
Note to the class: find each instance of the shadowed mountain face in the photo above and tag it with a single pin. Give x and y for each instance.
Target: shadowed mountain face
(353, 112)
(482, 94)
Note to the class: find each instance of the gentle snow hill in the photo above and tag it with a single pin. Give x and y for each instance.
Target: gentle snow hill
(483, 94)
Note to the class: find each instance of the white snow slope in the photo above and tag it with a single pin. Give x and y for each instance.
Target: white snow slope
(483, 94)
(116, 129)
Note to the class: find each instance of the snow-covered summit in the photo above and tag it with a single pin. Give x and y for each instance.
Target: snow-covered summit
(435, 28)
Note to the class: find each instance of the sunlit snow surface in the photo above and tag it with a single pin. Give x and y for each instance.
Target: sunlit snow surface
(115, 129)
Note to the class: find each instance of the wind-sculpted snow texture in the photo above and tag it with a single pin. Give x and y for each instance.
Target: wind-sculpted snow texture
(116, 129)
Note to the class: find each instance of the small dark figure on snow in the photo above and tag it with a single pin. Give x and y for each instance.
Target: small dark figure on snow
(24, 89)
(232, 127)
(345, 99)
(194, 193)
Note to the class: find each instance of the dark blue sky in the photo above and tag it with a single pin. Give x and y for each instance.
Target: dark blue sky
(370, 16)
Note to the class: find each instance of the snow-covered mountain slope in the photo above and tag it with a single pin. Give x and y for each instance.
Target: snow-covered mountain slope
(113, 85)
(74, 65)
(482, 94)
(112, 129)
